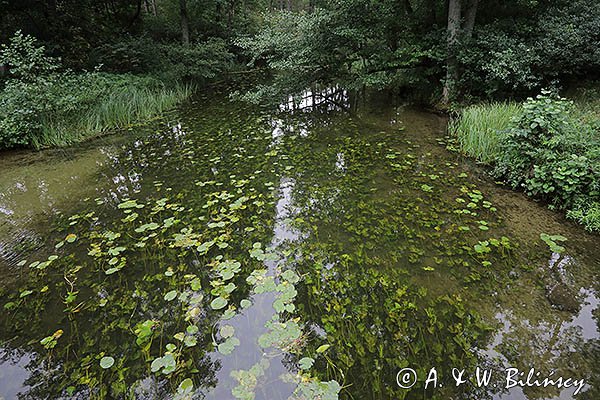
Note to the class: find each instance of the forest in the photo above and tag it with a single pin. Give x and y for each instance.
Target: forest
(299, 199)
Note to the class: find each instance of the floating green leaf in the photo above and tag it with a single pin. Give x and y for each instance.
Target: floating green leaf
(107, 362)
(306, 363)
(323, 348)
(218, 303)
(170, 295)
(227, 331)
(228, 345)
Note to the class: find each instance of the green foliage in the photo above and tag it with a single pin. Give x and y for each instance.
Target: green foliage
(587, 215)
(64, 108)
(547, 146)
(291, 45)
(528, 47)
(551, 241)
(479, 128)
(172, 62)
(516, 45)
(26, 59)
(337, 44)
(551, 155)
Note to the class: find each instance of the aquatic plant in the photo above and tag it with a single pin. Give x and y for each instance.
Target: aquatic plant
(221, 261)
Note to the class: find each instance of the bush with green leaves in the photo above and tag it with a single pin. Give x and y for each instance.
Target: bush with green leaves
(587, 214)
(26, 58)
(197, 62)
(42, 106)
(552, 155)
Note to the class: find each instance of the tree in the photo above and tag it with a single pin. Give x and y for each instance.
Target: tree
(185, 22)
(457, 30)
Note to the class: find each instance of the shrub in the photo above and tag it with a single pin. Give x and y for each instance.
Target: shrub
(587, 214)
(547, 147)
(197, 62)
(26, 58)
(550, 154)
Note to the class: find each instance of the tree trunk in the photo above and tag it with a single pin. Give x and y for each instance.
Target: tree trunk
(185, 23)
(138, 11)
(454, 15)
(429, 7)
(408, 9)
(470, 15)
(150, 7)
(230, 16)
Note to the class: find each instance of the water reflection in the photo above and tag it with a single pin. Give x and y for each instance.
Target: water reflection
(36, 186)
(364, 205)
(14, 372)
(326, 99)
(346, 241)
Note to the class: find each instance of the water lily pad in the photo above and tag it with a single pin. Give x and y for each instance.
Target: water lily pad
(245, 303)
(107, 362)
(306, 363)
(192, 329)
(218, 303)
(190, 341)
(227, 331)
(171, 295)
(228, 345)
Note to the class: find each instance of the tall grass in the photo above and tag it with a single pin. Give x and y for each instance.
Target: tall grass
(115, 108)
(479, 128)
(587, 103)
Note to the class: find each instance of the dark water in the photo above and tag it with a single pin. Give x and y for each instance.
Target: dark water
(262, 253)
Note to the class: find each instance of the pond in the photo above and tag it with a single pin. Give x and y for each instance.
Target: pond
(313, 250)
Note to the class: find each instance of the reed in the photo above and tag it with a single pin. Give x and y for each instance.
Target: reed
(479, 128)
(115, 108)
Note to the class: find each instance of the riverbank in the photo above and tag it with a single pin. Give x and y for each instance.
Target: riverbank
(547, 146)
(62, 109)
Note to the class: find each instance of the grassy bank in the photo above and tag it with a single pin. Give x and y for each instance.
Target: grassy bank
(548, 146)
(480, 128)
(62, 109)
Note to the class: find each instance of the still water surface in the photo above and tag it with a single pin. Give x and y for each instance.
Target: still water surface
(407, 254)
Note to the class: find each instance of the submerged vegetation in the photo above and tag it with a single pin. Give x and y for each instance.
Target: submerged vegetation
(169, 271)
(247, 269)
(295, 237)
